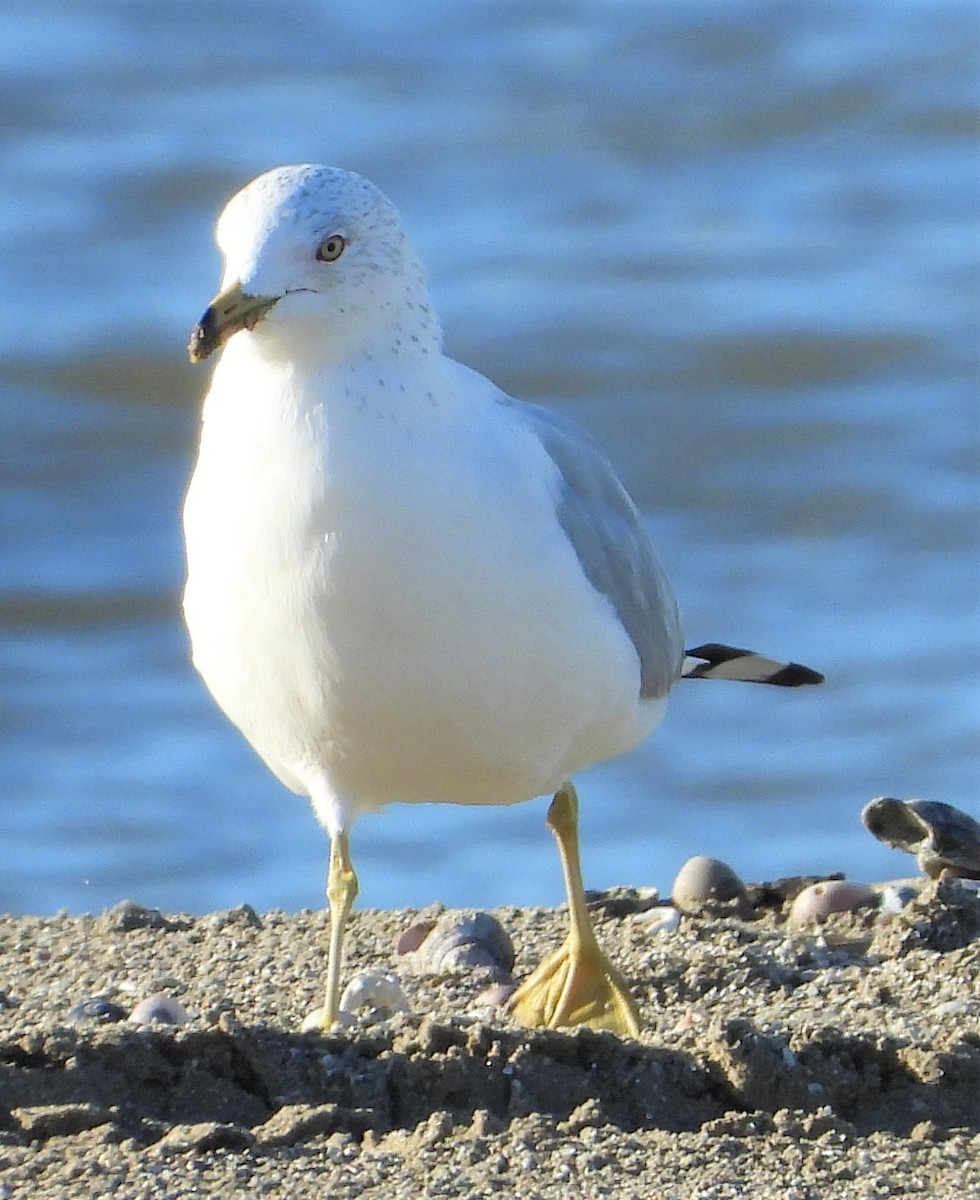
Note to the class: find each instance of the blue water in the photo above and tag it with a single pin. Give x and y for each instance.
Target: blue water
(736, 240)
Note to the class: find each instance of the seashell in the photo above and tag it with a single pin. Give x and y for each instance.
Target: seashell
(495, 995)
(702, 880)
(690, 1019)
(378, 990)
(413, 937)
(818, 901)
(663, 919)
(313, 1021)
(159, 1009)
(465, 939)
(97, 1008)
(941, 837)
(893, 897)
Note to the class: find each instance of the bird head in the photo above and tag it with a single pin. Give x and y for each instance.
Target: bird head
(316, 262)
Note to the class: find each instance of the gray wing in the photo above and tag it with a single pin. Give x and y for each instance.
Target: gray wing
(603, 526)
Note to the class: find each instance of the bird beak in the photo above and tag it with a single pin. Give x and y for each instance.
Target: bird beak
(230, 311)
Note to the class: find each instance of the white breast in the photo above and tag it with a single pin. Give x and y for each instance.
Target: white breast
(383, 602)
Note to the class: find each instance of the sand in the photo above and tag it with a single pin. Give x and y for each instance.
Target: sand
(824, 1064)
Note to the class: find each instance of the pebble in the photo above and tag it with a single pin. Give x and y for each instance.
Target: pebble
(159, 1009)
(242, 916)
(128, 915)
(954, 1008)
(818, 901)
(702, 880)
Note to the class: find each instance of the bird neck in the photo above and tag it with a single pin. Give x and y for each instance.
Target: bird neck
(402, 380)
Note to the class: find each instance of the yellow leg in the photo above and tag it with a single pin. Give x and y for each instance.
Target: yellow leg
(341, 891)
(577, 985)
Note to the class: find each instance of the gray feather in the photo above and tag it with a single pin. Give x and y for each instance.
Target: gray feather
(605, 530)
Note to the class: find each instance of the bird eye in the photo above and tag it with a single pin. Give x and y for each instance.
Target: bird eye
(331, 248)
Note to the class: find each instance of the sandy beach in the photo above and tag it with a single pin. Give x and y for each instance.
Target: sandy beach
(825, 1063)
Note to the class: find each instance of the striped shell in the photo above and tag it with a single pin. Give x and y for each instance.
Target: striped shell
(464, 940)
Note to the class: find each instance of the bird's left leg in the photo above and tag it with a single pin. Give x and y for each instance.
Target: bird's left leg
(577, 985)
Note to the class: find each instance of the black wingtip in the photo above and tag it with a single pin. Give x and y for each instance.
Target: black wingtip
(719, 661)
(795, 675)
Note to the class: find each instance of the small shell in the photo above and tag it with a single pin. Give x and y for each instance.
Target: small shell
(702, 879)
(160, 1009)
(378, 990)
(941, 837)
(818, 901)
(98, 1008)
(466, 939)
(313, 1021)
(663, 919)
(413, 937)
(894, 896)
(495, 995)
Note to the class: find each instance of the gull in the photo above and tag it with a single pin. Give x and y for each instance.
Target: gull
(402, 584)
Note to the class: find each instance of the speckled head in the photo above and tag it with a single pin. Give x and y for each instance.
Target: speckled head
(319, 257)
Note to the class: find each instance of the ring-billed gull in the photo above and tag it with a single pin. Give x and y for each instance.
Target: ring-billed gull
(402, 584)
